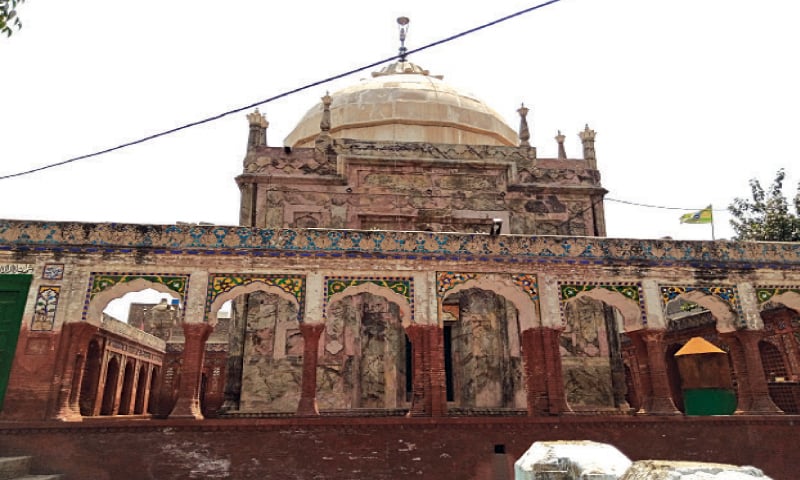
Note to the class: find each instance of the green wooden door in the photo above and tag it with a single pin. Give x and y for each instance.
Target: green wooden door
(13, 293)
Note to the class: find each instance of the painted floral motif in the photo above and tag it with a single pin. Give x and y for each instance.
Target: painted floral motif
(103, 281)
(446, 281)
(527, 283)
(44, 311)
(727, 294)
(764, 294)
(569, 291)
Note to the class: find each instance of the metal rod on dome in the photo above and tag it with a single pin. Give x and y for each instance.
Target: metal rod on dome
(403, 23)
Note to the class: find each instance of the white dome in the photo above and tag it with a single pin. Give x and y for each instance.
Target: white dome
(402, 103)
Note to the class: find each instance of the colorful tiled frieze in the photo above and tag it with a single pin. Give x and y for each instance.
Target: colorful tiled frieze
(200, 239)
(403, 286)
(765, 293)
(294, 285)
(631, 291)
(44, 310)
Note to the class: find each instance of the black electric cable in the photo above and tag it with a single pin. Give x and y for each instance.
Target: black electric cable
(281, 95)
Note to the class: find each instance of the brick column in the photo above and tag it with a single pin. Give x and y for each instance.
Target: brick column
(759, 400)
(308, 394)
(418, 371)
(188, 404)
(438, 388)
(544, 380)
(535, 372)
(429, 397)
(557, 400)
(70, 363)
(645, 392)
(661, 401)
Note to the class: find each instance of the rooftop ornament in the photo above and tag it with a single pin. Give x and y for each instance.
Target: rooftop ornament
(403, 23)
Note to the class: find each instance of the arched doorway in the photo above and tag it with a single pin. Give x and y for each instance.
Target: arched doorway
(483, 364)
(91, 379)
(363, 359)
(110, 388)
(141, 391)
(126, 394)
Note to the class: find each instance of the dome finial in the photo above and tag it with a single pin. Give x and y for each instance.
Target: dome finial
(403, 23)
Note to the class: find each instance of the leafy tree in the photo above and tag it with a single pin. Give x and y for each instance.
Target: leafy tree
(767, 217)
(8, 16)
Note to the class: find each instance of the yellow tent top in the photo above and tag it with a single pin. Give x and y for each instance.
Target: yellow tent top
(697, 345)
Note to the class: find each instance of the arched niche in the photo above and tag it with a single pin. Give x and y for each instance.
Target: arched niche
(381, 291)
(98, 303)
(526, 308)
(255, 286)
(630, 310)
(721, 310)
(789, 299)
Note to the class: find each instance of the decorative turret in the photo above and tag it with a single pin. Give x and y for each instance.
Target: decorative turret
(258, 130)
(324, 140)
(562, 154)
(587, 138)
(524, 132)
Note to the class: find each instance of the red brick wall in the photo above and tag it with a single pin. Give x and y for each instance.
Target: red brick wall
(378, 448)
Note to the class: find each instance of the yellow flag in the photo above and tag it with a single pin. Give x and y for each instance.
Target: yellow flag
(703, 216)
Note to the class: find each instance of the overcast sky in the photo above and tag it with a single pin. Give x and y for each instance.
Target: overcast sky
(690, 98)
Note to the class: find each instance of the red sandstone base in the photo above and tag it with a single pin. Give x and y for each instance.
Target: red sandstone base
(380, 448)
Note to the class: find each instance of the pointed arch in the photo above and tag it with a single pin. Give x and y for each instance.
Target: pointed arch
(98, 303)
(630, 310)
(525, 305)
(375, 289)
(255, 286)
(720, 310)
(789, 299)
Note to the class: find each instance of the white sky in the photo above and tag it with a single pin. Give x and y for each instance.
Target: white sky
(690, 98)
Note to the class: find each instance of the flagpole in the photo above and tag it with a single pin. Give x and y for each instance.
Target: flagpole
(713, 238)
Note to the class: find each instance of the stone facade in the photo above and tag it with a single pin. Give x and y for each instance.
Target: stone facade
(408, 272)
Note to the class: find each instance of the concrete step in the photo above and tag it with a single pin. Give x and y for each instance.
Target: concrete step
(18, 468)
(14, 467)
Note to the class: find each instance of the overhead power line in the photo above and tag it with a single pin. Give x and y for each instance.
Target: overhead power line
(281, 95)
(626, 202)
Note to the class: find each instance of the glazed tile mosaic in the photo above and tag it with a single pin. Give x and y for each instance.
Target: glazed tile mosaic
(101, 281)
(727, 294)
(764, 294)
(527, 283)
(53, 271)
(195, 239)
(44, 311)
(294, 285)
(631, 291)
(446, 281)
(401, 285)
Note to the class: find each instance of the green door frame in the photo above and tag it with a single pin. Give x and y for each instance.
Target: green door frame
(13, 296)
